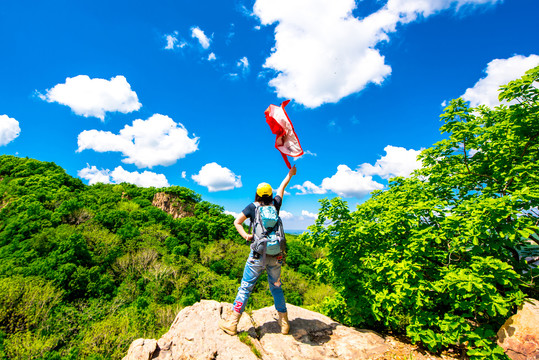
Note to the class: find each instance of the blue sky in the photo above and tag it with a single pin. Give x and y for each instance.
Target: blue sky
(174, 92)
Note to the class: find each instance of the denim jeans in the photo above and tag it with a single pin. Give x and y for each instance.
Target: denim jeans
(253, 269)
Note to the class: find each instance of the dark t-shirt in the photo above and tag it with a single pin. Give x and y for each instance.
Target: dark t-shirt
(250, 209)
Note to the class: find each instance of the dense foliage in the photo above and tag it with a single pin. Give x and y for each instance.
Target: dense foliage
(447, 254)
(85, 270)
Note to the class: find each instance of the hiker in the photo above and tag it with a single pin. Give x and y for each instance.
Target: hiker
(267, 253)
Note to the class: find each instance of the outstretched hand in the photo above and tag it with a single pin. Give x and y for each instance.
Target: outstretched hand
(292, 171)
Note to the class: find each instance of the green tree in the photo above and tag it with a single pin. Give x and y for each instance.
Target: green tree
(441, 255)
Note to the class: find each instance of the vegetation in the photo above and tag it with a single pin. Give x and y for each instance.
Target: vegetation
(85, 270)
(446, 255)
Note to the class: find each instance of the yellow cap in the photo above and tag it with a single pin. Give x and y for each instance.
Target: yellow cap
(264, 189)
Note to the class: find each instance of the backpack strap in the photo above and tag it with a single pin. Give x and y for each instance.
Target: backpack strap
(253, 219)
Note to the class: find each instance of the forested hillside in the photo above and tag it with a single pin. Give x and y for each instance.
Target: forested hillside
(85, 270)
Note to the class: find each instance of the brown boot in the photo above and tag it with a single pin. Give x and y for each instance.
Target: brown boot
(230, 326)
(283, 322)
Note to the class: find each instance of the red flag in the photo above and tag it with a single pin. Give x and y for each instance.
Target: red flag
(287, 141)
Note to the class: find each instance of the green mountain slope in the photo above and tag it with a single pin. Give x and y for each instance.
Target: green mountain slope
(85, 270)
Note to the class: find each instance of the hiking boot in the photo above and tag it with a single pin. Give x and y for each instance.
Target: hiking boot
(230, 326)
(283, 322)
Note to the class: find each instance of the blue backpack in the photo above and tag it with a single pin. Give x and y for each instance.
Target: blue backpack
(268, 233)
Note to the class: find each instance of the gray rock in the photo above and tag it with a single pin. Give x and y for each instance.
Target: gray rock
(195, 334)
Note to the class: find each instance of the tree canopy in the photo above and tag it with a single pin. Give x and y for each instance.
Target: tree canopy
(446, 254)
(85, 270)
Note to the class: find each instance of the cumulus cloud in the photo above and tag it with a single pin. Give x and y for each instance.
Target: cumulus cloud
(349, 183)
(346, 182)
(9, 129)
(198, 34)
(217, 178)
(212, 57)
(498, 72)
(120, 175)
(147, 143)
(235, 214)
(94, 97)
(307, 214)
(309, 188)
(330, 54)
(398, 161)
(285, 215)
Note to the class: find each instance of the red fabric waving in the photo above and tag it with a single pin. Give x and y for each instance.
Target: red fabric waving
(286, 140)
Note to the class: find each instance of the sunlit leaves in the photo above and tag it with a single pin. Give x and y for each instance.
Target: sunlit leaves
(442, 255)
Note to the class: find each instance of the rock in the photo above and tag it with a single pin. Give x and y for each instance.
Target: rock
(173, 205)
(519, 336)
(313, 336)
(195, 334)
(142, 349)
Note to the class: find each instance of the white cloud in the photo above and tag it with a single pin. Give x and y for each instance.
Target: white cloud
(217, 178)
(147, 143)
(200, 36)
(305, 153)
(307, 214)
(212, 57)
(94, 175)
(243, 64)
(144, 179)
(346, 182)
(398, 161)
(9, 129)
(119, 175)
(172, 40)
(184, 175)
(499, 72)
(323, 53)
(235, 214)
(94, 97)
(285, 215)
(349, 183)
(309, 188)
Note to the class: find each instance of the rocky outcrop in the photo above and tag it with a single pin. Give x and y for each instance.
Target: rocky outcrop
(519, 336)
(173, 205)
(195, 334)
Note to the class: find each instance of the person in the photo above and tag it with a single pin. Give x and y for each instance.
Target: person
(257, 263)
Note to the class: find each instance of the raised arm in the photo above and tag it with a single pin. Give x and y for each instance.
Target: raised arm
(286, 180)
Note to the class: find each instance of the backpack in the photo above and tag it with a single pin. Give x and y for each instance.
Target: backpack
(268, 232)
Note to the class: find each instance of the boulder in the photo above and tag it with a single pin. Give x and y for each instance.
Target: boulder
(195, 334)
(142, 349)
(519, 336)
